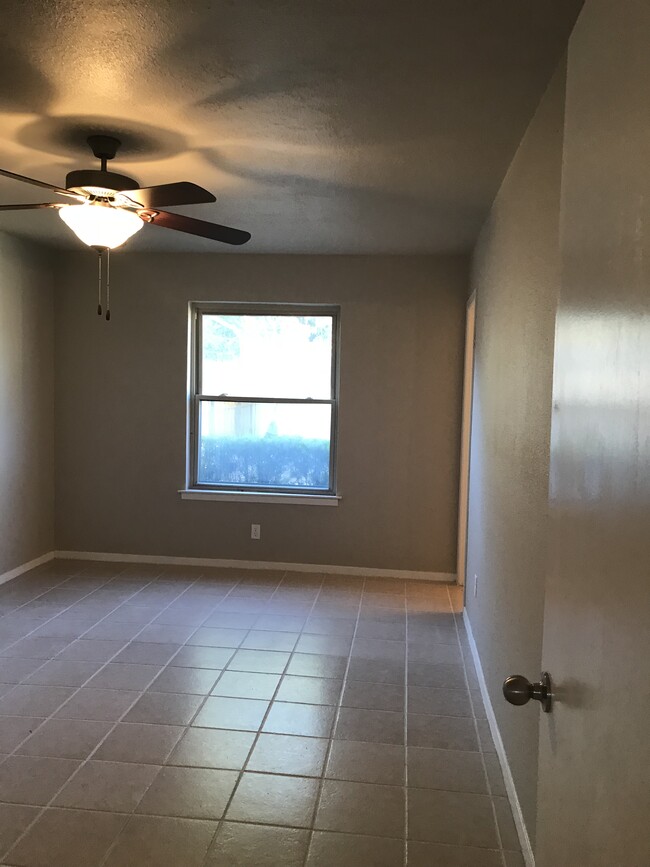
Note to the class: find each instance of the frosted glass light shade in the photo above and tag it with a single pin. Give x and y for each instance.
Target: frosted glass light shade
(101, 225)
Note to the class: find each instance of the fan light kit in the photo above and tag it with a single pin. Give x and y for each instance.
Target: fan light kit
(110, 208)
(101, 225)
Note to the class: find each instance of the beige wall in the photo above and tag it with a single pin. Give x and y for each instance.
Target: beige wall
(516, 276)
(121, 410)
(26, 403)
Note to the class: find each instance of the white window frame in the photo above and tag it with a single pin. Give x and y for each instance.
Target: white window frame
(200, 490)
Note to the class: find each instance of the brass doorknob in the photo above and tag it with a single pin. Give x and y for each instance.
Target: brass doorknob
(518, 690)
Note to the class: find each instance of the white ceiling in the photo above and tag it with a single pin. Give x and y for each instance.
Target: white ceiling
(322, 126)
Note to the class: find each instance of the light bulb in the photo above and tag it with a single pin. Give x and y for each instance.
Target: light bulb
(101, 225)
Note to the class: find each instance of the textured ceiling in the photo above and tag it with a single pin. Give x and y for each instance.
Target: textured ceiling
(342, 126)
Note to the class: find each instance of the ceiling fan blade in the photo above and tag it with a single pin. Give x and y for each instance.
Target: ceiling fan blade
(168, 195)
(31, 207)
(195, 227)
(59, 190)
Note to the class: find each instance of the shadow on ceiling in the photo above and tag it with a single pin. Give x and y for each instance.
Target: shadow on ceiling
(362, 200)
(66, 136)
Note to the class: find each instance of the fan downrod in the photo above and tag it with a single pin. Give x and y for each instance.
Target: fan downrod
(100, 181)
(104, 147)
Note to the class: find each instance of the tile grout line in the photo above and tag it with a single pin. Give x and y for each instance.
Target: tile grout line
(52, 658)
(478, 738)
(43, 569)
(141, 692)
(334, 726)
(186, 727)
(78, 638)
(257, 734)
(59, 614)
(43, 808)
(130, 600)
(210, 694)
(51, 716)
(48, 619)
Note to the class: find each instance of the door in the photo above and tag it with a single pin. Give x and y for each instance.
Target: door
(466, 435)
(594, 763)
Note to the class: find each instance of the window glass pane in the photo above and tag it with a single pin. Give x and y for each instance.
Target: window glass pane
(266, 356)
(264, 444)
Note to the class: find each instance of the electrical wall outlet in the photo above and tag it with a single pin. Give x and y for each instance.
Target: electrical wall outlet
(255, 531)
(475, 585)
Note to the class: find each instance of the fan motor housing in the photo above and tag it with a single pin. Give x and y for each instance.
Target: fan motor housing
(111, 182)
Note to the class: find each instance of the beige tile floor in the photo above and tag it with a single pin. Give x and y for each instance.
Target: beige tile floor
(178, 717)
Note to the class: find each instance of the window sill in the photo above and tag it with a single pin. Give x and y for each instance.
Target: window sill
(261, 497)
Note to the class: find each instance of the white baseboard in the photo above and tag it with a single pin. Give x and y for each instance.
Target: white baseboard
(444, 577)
(25, 567)
(524, 839)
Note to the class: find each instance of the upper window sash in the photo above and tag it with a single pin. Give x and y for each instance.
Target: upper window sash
(251, 376)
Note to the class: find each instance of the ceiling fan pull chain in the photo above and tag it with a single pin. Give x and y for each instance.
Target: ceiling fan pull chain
(99, 284)
(108, 283)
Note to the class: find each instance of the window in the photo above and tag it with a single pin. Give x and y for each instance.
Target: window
(264, 398)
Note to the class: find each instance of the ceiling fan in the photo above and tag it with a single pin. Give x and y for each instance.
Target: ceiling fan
(109, 208)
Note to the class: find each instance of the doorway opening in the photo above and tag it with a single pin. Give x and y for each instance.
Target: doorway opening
(466, 433)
